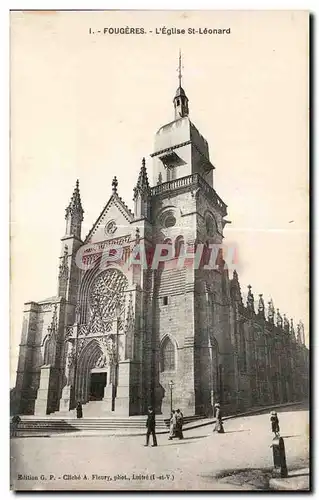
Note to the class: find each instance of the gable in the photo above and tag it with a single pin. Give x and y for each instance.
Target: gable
(113, 222)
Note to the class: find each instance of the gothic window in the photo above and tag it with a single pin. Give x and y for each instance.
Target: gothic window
(210, 225)
(167, 356)
(177, 102)
(179, 244)
(46, 355)
(49, 350)
(165, 251)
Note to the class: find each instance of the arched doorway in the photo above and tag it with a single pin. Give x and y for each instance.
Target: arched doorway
(94, 371)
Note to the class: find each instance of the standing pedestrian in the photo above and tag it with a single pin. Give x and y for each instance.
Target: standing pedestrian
(14, 425)
(79, 411)
(219, 420)
(274, 423)
(150, 424)
(172, 425)
(179, 424)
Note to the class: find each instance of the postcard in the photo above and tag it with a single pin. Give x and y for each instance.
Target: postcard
(159, 250)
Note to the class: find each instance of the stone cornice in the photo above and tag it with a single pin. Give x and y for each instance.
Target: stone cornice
(171, 148)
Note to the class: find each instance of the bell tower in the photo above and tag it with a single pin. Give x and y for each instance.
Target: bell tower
(180, 150)
(189, 300)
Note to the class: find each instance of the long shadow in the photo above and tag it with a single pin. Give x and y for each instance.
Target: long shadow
(184, 440)
(299, 475)
(194, 437)
(292, 436)
(223, 473)
(240, 430)
(29, 436)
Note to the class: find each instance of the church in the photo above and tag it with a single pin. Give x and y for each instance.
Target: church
(147, 313)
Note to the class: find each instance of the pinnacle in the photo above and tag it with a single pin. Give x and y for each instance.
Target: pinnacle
(142, 184)
(75, 204)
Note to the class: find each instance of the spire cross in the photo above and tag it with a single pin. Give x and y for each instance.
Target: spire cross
(180, 67)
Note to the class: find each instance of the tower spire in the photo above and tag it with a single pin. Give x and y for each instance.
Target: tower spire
(180, 99)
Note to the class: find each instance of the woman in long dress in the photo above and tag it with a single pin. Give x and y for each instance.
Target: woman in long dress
(179, 424)
(172, 426)
(79, 411)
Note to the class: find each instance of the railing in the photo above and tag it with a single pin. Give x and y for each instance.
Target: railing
(195, 180)
(174, 184)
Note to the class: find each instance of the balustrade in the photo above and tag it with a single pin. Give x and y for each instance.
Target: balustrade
(197, 181)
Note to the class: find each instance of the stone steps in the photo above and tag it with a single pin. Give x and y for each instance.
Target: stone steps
(33, 426)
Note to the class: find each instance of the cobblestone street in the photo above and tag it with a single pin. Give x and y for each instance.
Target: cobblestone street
(122, 462)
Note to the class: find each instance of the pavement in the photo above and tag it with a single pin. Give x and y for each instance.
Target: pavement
(203, 460)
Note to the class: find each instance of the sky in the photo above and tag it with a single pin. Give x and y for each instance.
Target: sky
(88, 106)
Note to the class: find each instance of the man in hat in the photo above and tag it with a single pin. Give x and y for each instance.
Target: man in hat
(219, 420)
(150, 424)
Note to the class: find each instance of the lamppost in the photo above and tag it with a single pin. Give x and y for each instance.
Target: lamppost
(171, 385)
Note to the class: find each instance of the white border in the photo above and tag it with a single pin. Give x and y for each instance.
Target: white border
(5, 6)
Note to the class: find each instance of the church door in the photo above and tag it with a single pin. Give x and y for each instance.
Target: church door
(97, 385)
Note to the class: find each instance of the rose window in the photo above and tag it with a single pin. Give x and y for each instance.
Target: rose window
(107, 299)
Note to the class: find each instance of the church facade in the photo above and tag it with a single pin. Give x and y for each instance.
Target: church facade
(147, 311)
